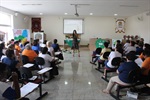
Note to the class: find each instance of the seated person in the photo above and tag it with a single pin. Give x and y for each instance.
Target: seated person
(130, 48)
(113, 54)
(146, 65)
(2, 46)
(49, 61)
(35, 46)
(123, 72)
(55, 45)
(6, 91)
(11, 62)
(105, 49)
(31, 54)
(50, 48)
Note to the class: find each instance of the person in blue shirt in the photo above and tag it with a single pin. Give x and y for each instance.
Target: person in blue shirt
(55, 45)
(123, 72)
(12, 63)
(35, 46)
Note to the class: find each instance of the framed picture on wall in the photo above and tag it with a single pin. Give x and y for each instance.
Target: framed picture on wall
(120, 26)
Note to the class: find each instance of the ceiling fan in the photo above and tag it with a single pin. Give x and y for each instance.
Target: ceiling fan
(76, 5)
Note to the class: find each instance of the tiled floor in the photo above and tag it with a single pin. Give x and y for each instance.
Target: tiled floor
(77, 80)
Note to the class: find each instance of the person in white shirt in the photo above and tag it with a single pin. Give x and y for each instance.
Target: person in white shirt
(48, 59)
(50, 48)
(113, 54)
(130, 48)
(126, 44)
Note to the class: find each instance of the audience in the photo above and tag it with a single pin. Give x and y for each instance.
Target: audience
(123, 72)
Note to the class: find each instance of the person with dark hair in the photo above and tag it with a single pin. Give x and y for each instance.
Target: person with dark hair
(2, 46)
(8, 92)
(49, 61)
(75, 43)
(35, 46)
(11, 62)
(105, 49)
(146, 63)
(123, 72)
(46, 57)
(55, 45)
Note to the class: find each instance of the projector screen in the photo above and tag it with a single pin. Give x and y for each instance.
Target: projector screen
(73, 24)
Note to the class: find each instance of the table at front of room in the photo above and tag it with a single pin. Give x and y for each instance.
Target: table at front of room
(69, 42)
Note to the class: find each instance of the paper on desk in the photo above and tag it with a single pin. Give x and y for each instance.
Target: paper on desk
(32, 78)
(28, 65)
(44, 70)
(29, 87)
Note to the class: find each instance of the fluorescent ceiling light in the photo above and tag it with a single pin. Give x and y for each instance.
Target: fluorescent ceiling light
(91, 13)
(66, 13)
(115, 14)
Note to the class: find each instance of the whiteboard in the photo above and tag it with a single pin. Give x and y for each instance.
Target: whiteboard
(73, 24)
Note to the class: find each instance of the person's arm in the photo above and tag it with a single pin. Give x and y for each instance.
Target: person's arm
(15, 84)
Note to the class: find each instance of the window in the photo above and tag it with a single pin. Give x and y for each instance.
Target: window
(5, 27)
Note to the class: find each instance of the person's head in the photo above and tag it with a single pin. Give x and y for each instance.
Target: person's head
(28, 47)
(3, 71)
(127, 41)
(132, 43)
(55, 41)
(146, 53)
(48, 43)
(119, 48)
(16, 42)
(106, 44)
(118, 41)
(131, 56)
(44, 41)
(74, 32)
(27, 42)
(35, 43)
(146, 45)
(10, 53)
(44, 50)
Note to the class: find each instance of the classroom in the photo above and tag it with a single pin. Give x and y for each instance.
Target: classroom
(66, 48)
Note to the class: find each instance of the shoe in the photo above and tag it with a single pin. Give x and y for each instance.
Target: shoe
(93, 63)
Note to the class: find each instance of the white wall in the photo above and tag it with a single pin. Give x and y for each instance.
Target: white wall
(139, 27)
(20, 21)
(101, 27)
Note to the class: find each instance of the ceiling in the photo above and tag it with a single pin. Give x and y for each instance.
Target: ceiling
(84, 7)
